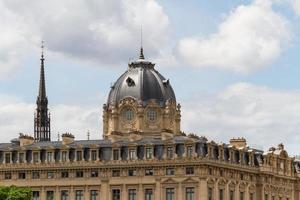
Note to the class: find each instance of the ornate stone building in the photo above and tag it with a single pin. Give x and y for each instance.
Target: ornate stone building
(143, 155)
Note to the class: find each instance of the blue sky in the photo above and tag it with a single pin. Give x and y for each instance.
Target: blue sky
(233, 64)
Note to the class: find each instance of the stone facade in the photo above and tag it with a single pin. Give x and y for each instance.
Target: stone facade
(144, 155)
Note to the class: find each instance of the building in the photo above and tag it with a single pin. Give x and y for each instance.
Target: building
(144, 154)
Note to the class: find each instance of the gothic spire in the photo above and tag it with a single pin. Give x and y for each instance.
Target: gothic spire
(42, 87)
(42, 117)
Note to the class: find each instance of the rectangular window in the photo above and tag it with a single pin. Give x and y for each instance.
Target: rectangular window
(148, 172)
(241, 195)
(251, 196)
(94, 173)
(210, 193)
(170, 152)
(132, 194)
(190, 193)
(64, 155)
(35, 175)
(64, 195)
(149, 153)
(170, 193)
(35, 157)
(79, 155)
(7, 158)
(22, 175)
(116, 154)
(36, 195)
(94, 155)
(49, 156)
(50, 195)
(115, 173)
(7, 176)
(231, 195)
(266, 197)
(221, 194)
(50, 174)
(132, 154)
(189, 170)
(94, 195)
(170, 171)
(64, 174)
(131, 172)
(79, 174)
(21, 158)
(189, 151)
(148, 194)
(116, 194)
(79, 195)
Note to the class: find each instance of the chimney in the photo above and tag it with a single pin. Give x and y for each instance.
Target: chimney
(67, 138)
(238, 142)
(25, 139)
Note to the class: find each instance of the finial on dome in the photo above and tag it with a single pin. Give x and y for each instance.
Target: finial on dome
(141, 50)
(142, 54)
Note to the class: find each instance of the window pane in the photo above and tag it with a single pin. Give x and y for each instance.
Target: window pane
(190, 193)
(148, 194)
(132, 194)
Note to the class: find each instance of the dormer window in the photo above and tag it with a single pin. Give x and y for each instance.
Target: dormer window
(170, 152)
(130, 82)
(149, 153)
(132, 154)
(7, 158)
(35, 157)
(189, 151)
(49, 156)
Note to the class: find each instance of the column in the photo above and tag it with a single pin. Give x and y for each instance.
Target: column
(203, 189)
(124, 193)
(43, 195)
(179, 194)
(226, 192)
(140, 192)
(157, 189)
(104, 190)
(57, 193)
(71, 191)
(86, 192)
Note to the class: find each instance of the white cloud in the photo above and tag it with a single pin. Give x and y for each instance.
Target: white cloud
(251, 37)
(265, 117)
(107, 32)
(296, 6)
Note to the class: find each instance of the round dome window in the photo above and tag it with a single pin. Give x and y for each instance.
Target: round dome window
(152, 115)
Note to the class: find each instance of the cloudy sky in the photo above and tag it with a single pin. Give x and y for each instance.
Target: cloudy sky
(234, 64)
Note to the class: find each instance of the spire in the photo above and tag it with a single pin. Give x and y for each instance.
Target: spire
(42, 87)
(42, 116)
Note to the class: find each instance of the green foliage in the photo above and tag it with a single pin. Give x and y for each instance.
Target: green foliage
(15, 193)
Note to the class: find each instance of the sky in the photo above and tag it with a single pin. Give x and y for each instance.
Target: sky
(233, 64)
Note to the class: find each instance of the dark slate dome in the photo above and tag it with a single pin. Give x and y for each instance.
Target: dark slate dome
(142, 82)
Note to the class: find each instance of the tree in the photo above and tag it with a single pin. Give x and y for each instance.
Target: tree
(15, 193)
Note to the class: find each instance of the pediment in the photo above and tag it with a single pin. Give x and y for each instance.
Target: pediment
(169, 181)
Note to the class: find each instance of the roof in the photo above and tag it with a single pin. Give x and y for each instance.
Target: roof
(143, 83)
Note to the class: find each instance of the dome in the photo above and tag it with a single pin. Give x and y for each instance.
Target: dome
(143, 83)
